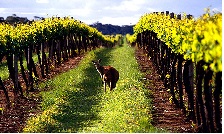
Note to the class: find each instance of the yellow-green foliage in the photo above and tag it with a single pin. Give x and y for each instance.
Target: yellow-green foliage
(131, 38)
(197, 39)
(14, 38)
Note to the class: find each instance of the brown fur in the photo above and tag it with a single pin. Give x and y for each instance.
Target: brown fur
(108, 74)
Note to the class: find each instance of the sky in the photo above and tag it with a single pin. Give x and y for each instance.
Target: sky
(116, 12)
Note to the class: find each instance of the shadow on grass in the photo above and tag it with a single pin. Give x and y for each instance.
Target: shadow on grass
(80, 108)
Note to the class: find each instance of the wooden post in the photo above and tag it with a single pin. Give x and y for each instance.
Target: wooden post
(179, 16)
(172, 15)
(167, 13)
(42, 59)
(15, 64)
(16, 75)
(162, 60)
(189, 16)
(51, 52)
(208, 98)
(29, 65)
(217, 92)
(84, 42)
(74, 45)
(200, 110)
(159, 61)
(79, 43)
(167, 67)
(180, 80)
(173, 78)
(23, 70)
(58, 52)
(188, 75)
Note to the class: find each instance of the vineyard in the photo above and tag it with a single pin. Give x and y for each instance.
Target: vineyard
(186, 52)
(60, 39)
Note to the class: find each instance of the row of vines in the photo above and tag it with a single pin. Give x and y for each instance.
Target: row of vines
(53, 40)
(188, 54)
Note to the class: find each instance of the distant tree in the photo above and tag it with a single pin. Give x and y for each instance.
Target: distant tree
(2, 19)
(12, 19)
(109, 29)
(15, 19)
(14, 15)
(38, 18)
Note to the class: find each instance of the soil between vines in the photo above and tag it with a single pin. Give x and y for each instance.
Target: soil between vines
(165, 114)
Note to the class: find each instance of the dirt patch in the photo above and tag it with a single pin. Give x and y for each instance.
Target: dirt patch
(13, 119)
(165, 114)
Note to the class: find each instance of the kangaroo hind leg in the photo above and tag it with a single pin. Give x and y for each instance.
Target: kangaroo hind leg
(112, 85)
(105, 86)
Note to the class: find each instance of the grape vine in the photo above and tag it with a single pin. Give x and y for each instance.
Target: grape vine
(197, 39)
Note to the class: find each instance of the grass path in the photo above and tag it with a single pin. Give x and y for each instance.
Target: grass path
(76, 102)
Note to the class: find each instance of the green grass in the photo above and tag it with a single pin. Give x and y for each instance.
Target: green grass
(76, 102)
(4, 73)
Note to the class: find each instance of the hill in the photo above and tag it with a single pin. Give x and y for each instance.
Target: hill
(108, 29)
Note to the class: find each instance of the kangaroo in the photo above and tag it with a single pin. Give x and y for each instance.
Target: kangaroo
(108, 74)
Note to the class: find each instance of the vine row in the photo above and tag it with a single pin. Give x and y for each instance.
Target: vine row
(188, 54)
(53, 40)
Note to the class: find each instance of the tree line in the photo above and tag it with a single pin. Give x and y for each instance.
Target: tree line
(108, 29)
